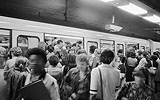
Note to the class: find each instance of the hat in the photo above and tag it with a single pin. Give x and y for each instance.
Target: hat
(143, 73)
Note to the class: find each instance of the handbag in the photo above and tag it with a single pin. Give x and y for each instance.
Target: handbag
(101, 98)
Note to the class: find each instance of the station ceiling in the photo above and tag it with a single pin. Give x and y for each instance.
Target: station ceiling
(87, 14)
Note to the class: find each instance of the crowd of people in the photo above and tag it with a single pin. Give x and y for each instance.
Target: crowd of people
(70, 73)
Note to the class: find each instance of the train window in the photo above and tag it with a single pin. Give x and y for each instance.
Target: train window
(107, 44)
(5, 38)
(90, 43)
(120, 48)
(26, 42)
(132, 46)
(68, 40)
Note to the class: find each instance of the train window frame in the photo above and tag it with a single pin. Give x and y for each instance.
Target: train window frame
(123, 46)
(64, 36)
(105, 43)
(90, 45)
(9, 35)
(27, 39)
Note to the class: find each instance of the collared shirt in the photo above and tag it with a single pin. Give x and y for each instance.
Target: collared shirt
(110, 79)
(51, 85)
(132, 92)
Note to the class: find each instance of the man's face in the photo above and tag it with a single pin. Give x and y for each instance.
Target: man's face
(36, 63)
(82, 66)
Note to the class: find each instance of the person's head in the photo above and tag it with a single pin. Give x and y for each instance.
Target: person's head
(21, 63)
(107, 56)
(42, 45)
(92, 48)
(82, 62)
(60, 43)
(156, 53)
(53, 60)
(141, 75)
(139, 54)
(120, 52)
(16, 51)
(37, 59)
(97, 52)
(123, 59)
(154, 57)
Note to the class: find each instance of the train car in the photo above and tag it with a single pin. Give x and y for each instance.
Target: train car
(26, 34)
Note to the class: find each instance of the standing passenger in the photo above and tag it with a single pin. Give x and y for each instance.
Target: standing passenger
(110, 78)
(37, 60)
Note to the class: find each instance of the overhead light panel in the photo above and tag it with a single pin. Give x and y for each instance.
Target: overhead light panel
(133, 9)
(107, 0)
(154, 18)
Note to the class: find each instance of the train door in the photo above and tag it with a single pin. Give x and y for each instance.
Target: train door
(120, 48)
(26, 40)
(91, 41)
(107, 44)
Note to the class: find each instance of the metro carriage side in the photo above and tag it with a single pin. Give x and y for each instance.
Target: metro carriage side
(26, 34)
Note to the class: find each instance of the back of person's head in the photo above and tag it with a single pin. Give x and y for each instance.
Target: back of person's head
(38, 52)
(82, 58)
(53, 60)
(59, 41)
(16, 51)
(123, 59)
(21, 63)
(107, 56)
(92, 48)
(154, 57)
(74, 45)
(156, 53)
(81, 51)
(79, 42)
(50, 48)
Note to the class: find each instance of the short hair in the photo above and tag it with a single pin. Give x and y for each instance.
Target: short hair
(82, 58)
(123, 59)
(38, 52)
(92, 48)
(143, 73)
(154, 57)
(74, 44)
(53, 60)
(107, 56)
(16, 51)
(59, 41)
(120, 51)
(79, 42)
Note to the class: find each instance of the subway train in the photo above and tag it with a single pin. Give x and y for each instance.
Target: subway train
(27, 34)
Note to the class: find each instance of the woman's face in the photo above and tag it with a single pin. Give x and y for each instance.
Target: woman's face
(36, 63)
(82, 66)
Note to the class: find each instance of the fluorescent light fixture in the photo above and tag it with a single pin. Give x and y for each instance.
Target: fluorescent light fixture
(154, 18)
(38, 27)
(133, 9)
(107, 0)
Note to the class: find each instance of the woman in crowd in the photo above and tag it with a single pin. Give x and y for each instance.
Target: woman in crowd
(137, 90)
(18, 77)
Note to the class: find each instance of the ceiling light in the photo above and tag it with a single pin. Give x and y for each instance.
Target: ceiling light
(133, 9)
(154, 18)
(107, 0)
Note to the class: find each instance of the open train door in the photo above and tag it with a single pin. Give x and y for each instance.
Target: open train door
(26, 39)
(91, 41)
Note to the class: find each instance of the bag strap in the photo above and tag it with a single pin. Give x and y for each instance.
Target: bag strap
(101, 83)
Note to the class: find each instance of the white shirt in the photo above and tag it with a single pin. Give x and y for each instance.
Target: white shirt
(110, 78)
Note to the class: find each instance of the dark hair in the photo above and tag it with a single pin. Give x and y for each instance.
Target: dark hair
(156, 53)
(74, 44)
(123, 59)
(92, 48)
(107, 56)
(120, 51)
(53, 60)
(131, 54)
(79, 42)
(154, 57)
(59, 41)
(50, 48)
(143, 72)
(38, 52)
